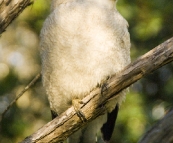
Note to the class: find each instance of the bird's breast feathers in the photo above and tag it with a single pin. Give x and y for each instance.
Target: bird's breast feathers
(81, 44)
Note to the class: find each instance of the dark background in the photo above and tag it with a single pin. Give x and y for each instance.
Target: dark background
(150, 23)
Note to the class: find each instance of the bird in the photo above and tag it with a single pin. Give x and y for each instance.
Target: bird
(82, 43)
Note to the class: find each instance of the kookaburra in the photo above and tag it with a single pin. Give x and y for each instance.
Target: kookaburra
(83, 42)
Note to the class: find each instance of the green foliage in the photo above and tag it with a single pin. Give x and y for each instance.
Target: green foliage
(150, 23)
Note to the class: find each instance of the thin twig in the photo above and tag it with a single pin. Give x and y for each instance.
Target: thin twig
(20, 94)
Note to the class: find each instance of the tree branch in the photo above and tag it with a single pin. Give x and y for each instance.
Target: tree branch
(9, 10)
(33, 81)
(68, 122)
(64, 125)
(161, 132)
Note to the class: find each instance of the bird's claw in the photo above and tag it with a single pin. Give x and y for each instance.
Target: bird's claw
(76, 104)
(103, 85)
(81, 115)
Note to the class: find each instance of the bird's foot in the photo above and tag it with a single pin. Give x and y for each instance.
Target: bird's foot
(103, 85)
(76, 104)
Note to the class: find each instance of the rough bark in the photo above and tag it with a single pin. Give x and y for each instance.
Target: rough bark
(64, 125)
(68, 122)
(9, 10)
(161, 132)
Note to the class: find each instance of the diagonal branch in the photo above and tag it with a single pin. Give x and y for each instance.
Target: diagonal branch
(161, 132)
(34, 80)
(68, 122)
(9, 10)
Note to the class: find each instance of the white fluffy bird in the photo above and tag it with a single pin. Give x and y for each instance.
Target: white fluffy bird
(82, 42)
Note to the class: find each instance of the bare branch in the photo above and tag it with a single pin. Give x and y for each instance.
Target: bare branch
(68, 122)
(161, 132)
(9, 10)
(20, 94)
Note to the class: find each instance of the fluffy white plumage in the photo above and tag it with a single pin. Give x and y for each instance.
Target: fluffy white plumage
(81, 43)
